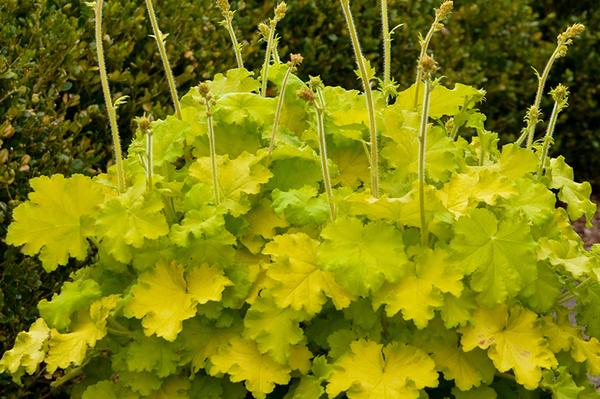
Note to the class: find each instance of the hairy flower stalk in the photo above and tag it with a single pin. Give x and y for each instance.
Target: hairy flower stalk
(110, 108)
(228, 24)
(160, 41)
(563, 41)
(440, 15)
(314, 96)
(428, 66)
(366, 81)
(209, 102)
(280, 11)
(387, 43)
(560, 94)
(144, 125)
(295, 60)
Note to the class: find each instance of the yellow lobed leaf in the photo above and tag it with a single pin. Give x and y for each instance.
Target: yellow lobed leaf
(70, 348)
(28, 352)
(515, 342)
(56, 220)
(301, 285)
(397, 371)
(242, 360)
(163, 298)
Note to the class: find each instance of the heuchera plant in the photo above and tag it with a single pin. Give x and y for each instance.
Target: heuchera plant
(260, 246)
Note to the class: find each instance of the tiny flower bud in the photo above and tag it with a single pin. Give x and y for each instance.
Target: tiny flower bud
(204, 91)
(560, 94)
(445, 10)
(533, 114)
(306, 94)
(264, 30)
(144, 122)
(315, 82)
(296, 59)
(428, 65)
(280, 11)
(571, 32)
(223, 5)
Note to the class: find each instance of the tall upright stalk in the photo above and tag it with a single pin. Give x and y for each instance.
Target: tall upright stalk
(366, 81)
(209, 101)
(228, 24)
(160, 42)
(110, 108)
(314, 96)
(428, 66)
(560, 94)
(387, 43)
(563, 41)
(295, 60)
(280, 11)
(440, 14)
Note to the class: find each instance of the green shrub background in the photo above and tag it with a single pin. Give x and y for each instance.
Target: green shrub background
(52, 117)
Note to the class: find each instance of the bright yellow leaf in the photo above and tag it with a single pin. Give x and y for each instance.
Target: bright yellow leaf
(28, 352)
(397, 371)
(206, 283)
(243, 362)
(515, 342)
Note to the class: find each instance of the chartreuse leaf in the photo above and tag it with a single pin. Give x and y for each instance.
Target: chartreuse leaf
(202, 339)
(300, 283)
(241, 108)
(57, 220)
(242, 360)
(294, 166)
(108, 390)
(563, 336)
(397, 371)
(28, 351)
(163, 298)
(174, 387)
(542, 293)
(444, 101)
(500, 254)
(206, 387)
(419, 293)
(152, 354)
(575, 195)
(262, 225)
(467, 369)
(88, 328)
(302, 206)
(237, 80)
(567, 254)
(561, 383)
(74, 296)
(362, 257)
(274, 330)
(514, 341)
(197, 223)
(238, 178)
(129, 219)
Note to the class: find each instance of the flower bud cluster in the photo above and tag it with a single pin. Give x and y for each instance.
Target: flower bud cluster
(441, 14)
(560, 94)
(565, 39)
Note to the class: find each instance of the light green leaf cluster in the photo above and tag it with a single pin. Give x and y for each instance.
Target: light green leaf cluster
(262, 291)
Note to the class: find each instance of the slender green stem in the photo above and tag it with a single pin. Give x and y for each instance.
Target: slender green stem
(237, 48)
(421, 164)
(149, 159)
(213, 153)
(387, 44)
(280, 102)
(68, 376)
(320, 108)
(160, 41)
(265, 76)
(548, 139)
(362, 68)
(112, 113)
(276, 58)
(169, 209)
(424, 47)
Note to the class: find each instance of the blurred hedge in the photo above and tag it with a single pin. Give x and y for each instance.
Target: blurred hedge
(52, 117)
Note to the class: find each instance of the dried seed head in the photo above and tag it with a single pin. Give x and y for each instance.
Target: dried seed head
(306, 94)
(315, 82)
(445, 10)
(280, 11)
(296, 59)
(204, 91)
(560, 94)
(428, 65)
